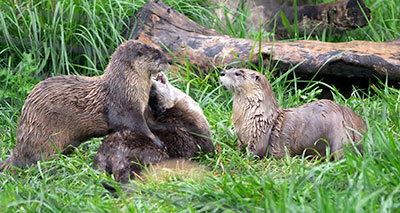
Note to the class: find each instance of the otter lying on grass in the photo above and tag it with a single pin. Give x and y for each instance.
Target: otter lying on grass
(175, 118)
(124, 154)
(267, 129)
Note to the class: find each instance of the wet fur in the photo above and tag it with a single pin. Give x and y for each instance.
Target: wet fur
(131, 156)
(124, 154)
(175, 118)
(262, 125)
(67, 110)
(178, 121)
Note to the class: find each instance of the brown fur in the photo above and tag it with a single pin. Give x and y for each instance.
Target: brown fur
(67, 110)
(131, 155)
(181, 124)
(261, 124)
(181, 134)
(175, 118)
(124, 154)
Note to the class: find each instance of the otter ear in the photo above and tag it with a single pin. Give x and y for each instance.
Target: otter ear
(257, 78)
(131, 56)
(139, 53)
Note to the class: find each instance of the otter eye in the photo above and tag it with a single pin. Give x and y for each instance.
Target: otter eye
(239, 73)
(257, 77)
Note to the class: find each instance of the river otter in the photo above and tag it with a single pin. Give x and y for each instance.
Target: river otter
(124, 154)
(178, 120)
(67, 110)
(175, 118)
(262, 125)
(130, 155)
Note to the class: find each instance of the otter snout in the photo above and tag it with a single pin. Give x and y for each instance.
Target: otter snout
(224, 81)
(227, 79)
(169, 61)
(165, 59)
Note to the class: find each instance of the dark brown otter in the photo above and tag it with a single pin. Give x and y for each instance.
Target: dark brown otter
(67, 110)
(178, 120)
(262, 125)
(175, 118)
(131, 156)
(125, 154)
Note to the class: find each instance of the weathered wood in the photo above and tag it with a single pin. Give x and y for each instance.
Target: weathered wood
(335, 16)
(164, 27)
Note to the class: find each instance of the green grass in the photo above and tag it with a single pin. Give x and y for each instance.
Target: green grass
(37, 41)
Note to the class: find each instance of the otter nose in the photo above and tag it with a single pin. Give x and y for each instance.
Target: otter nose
(223, 73)
(169, 61)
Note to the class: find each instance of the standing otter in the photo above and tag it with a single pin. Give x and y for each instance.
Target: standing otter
(262, 125)
(67, 110)
(175, 118)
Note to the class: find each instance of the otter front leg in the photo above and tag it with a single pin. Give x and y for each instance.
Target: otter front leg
(145, 129)
(133, 121)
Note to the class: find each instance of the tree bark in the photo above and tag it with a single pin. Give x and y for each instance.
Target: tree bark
(338, 16)
(160, 25)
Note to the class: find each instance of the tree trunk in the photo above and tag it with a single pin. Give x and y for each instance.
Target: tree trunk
(160, 25)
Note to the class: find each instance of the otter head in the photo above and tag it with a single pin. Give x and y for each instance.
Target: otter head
(162, 94)
(244, 81)
(142, 56)
(348, 15)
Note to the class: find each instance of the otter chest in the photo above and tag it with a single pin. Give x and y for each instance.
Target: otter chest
(249, 120)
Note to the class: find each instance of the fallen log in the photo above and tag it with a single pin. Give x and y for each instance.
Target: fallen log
(160, 25)
(338, 16)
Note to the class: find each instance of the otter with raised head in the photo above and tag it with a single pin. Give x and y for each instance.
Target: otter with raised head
(175, 118)
(67, 110)
(262, 125)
